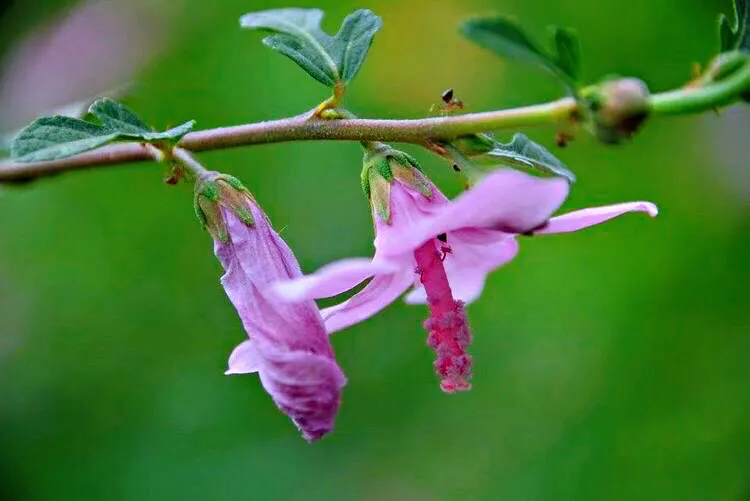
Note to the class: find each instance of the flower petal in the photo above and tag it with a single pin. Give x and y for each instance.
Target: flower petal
(244, 359)
(254, 257)
(506, 200)
(305, 386)
(379, 293)
(408, 210)
(263, 254)
(473, 254)
(330, 280)
(577, 220)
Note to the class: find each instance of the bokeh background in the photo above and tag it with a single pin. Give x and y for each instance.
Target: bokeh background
(609, 364)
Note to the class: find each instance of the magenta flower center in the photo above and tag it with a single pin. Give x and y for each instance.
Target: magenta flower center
(447, 326)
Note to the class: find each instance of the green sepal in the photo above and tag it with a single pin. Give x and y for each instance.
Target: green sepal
(380, 194)
(376, 180)
(216, 191)
(364, 180)
(210, 191)
(208, 209)
(382, 167)
(407, 171)
(297, 34)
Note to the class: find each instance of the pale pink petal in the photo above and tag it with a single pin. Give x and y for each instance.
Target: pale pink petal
(289, 346)
(409, 208)
(474, 254)
(379, 293)
(305, 386)
(506, 200)
(577, 220)
(331, 280)
(244, 359)
(253, 258)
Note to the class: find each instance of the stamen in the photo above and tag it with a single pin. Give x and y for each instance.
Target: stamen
(448, 329)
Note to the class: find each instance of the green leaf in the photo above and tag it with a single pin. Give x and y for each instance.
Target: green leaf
(567, 52)
(117, 117)
(297, 34)
(50, 138)
(736, 36)
(172, 135)
(523, 152)
(726, 34)
(505, 38)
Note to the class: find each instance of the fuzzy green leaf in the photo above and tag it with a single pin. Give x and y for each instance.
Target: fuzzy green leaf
(505, 38)
(55, 137)
(297, 34)
(523, 152)
(736, 35)
(50, 138)
(172, 135)
(119, 118)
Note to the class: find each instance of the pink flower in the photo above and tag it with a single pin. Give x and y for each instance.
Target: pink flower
(288, 345)
(445, 249)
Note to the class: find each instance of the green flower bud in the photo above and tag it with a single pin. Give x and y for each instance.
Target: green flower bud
(618, 108)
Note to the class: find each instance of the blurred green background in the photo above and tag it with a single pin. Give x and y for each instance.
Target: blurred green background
(609, 364)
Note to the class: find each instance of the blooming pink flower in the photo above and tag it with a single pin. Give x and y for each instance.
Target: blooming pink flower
(446, 249)
(288, 345)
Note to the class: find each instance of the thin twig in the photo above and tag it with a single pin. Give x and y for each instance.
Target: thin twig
(304, 128)
(307, 127)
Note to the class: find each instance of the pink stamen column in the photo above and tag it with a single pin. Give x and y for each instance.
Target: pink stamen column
(448, 329)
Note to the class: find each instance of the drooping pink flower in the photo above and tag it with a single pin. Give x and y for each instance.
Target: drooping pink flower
(445, 249)
(288, 346)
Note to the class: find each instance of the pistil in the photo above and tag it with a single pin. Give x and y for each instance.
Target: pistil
(447, 326)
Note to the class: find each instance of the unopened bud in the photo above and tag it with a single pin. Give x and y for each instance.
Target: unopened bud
(619, 107)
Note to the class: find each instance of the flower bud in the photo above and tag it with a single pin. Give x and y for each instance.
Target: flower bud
(619, 107)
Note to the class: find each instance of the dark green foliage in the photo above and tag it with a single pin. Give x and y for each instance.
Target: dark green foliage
(328, 59)
(55, 137)
(504, 37)
(523, 152)
(736, 35)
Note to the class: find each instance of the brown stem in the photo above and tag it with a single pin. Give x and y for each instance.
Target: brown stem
(305, 127)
